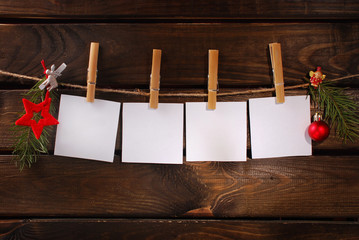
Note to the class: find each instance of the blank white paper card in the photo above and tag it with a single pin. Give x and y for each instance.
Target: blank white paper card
(216, 135)
(280, 130)
(152, 135)
(87, 129)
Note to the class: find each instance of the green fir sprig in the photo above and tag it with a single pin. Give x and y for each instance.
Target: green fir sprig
(27, 148)
(339, 110)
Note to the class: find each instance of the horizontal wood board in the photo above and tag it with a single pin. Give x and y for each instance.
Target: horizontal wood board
(157, 229)
(157, 9)
(296, 187)
(126, 52)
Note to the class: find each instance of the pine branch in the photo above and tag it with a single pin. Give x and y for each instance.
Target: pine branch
(26, 147)
(340, 110)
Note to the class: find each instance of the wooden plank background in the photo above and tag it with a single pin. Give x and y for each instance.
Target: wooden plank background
(126, 51)
(176, 229)
(314, 197)
(312, 187)
(154, 9)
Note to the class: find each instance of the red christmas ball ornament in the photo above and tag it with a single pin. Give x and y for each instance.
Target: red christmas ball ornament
(318, 130)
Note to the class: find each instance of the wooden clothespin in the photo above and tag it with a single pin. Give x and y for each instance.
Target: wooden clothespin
(92, 72)
(212, 78)
(155, 78)
(276, 59)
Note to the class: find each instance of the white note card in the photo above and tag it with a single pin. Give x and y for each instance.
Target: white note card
(216, 135)
(87, 129)
(152, 135)
(280, 130)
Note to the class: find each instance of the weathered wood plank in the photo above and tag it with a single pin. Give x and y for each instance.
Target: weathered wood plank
(297, 187)
(126, 51)
(175, 229)
(11, 106)
(276, 9)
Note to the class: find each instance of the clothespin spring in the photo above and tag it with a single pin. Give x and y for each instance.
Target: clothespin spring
(213, 90)
(159, 82)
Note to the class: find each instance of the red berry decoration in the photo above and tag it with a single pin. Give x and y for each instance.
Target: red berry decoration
(318, 130)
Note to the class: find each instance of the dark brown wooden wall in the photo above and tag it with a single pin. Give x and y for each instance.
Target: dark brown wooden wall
(314, 197)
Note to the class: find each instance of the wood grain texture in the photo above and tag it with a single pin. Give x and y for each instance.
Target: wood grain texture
(296, 187)
(154, 9)
(155, 229)
(126, 52)
(92, 198)
(11, 106)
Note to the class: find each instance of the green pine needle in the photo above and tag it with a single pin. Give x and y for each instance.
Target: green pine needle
(26, 147)
(339, 110)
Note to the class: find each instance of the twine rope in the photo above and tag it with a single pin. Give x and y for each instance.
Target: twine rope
(139, 92)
